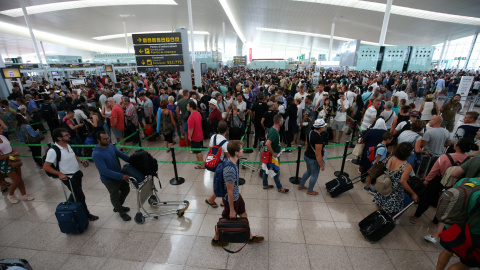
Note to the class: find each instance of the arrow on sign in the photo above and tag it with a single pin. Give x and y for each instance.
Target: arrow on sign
(143, 62)
(139, 40)
(141, 51)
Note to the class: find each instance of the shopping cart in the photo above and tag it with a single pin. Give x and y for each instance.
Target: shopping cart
(147, 192)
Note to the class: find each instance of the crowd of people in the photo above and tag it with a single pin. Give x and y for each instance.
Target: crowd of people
(284, 107)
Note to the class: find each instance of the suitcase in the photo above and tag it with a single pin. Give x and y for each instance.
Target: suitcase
(233, 230)
(416, 185)
(378, 224)
(71, 216)
(131, 171)
(14, 264)
(340, 185)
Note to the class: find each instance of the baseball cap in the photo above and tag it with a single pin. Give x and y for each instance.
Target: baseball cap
(319, 123)
(414, 113)
(270, 104)
(213, 102)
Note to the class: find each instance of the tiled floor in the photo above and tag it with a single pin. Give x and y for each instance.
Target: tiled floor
(301, 231)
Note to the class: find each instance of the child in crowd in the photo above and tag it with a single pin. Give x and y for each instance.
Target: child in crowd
(378, 164)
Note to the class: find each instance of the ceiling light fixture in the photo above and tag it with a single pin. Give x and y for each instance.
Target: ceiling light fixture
(398, 10)
(58, 6)
(313, 35)
(291, 45)
(114, 36)
(15, 30)
(229, 13)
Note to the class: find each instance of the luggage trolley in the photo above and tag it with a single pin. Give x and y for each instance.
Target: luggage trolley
(146, 191)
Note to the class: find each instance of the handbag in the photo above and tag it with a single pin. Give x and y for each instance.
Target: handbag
(434, 109)
(266, 157)
(358, 150)
(31, 139)
(384, 184)
(233, 230)
(376, 170)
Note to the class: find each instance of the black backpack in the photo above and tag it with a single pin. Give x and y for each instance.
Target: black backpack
(144, 162)
(54, 165)
(47, 112)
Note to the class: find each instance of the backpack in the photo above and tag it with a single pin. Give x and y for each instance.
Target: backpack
(453, 203)
(447, 180)
(54, 165)
(384, 185)
(470, 131)
(144, 162)
(213, 157)
(47, 112)
(219, 187)
(166, 125)
(372, 150)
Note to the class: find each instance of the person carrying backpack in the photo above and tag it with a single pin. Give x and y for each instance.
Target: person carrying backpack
(62, 163)
(226, 182)
(49, 113)
(167, 123)
(211, 162)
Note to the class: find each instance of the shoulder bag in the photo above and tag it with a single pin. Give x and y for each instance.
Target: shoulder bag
(384, 184)
(31, 139)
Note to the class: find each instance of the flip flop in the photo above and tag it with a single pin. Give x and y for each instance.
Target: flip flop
(312, 193)
(214, 204)
(199, 168)
(285, 190)
(302, 187)
(268, 187)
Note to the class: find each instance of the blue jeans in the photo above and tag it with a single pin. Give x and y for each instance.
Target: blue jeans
(449, 96)
(276, 178)
(107, 129)
(313, 168)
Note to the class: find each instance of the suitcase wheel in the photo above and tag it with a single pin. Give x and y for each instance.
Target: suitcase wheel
(139, 218)
(180, 214)
(152, 200)
(332, 195)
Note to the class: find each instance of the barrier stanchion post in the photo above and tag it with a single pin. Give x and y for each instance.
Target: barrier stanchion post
(247, 134)
(241, 180)
(295, 179)
(177, 180)
(353, 135)
(250, 127)
(341, 172)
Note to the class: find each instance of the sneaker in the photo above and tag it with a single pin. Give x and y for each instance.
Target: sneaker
(288, 151)
(372, 191)
(430, 239)
(12, 199)
(28, 197)
(217, 243)
(256, 239)
(125, 209)
(125, 217)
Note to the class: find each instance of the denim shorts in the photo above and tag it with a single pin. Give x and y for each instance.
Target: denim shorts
(185, 126)
(118, 133)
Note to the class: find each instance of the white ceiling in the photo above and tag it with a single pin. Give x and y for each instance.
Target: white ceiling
(81, 25)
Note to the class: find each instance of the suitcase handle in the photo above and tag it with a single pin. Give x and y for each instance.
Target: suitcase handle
(233, 252)
(71, 190)
(403, 210)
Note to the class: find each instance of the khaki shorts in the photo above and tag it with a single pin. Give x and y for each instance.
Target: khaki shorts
(338, 125)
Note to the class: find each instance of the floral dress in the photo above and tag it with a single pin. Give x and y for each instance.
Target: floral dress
(394, 202)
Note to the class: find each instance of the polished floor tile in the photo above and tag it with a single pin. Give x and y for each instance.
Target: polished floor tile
(288, 256)
(328, 257)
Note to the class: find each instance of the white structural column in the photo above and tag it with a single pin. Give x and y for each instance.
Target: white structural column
(442, 53)
(331, 42)
(475, 38)
(126, 38)
(310, 55)
(386, 18)
(224, 47)
(25, 14)
(190, 21)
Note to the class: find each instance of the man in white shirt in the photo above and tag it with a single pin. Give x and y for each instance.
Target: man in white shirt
(318, 95)
(219, 138)
(103, 98)
(374, 85)
(117, 96)
(351, 96)
(370, 114)
(340, 117)
(80, 114)
(402, 94)
(301, 94)
(241, 105)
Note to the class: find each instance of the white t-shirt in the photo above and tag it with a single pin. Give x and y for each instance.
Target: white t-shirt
(68, 163)
(118, 98)
(298, 95)
(390, 116)
(341, 116)
(370, 115)
(318, 97)
(5, 147)
(220, 138)
(242, 106)
(401, 95)
(351, 97)
(103, 100)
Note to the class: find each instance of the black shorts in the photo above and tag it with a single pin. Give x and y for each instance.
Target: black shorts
(169, 137)
(196, 145)
(238, 205)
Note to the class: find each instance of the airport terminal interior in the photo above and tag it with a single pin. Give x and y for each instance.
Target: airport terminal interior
(308, 80)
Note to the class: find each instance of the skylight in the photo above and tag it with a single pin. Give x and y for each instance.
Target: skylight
(58, 6)
(398, 10)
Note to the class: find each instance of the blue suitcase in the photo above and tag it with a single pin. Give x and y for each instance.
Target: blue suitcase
(72, 217)
(14, 264)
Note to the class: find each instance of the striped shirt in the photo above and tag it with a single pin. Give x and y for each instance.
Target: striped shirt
(230, 175)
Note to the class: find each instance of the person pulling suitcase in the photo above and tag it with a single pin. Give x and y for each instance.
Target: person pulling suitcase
(62, 163)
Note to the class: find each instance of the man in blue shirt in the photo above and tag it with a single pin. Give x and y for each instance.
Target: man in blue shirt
(34, 112)
(105, 155)
(439, 84)
(140, 88)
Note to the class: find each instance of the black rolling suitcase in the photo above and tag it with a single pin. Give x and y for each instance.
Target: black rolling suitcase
(378, 224)
(341, 184)
(14, 264)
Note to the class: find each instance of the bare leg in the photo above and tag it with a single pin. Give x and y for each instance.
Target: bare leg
(200, 158)
(458, 266)
(439, 230)
(368, 181)
(17, 182)
(334, 131)
(212, 198)
(340, 134)
(443, 259)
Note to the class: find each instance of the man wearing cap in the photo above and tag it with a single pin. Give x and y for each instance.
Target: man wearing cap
(215, 114)
(314, 156)
(405, 125)
(449, 110)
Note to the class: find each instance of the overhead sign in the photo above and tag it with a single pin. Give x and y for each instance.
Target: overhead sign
(121, 64)
(159, 60)
(161, 68)
(108, 68)
(157, 38)
(464, 88)
(23, 66)
(158, 49)
(239, 60)
(58, 65)
(81, 65)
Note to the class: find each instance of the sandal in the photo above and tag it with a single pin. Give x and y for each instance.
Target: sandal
(302, 187)
(312, 193)
(285, 190)
(214, 204)
(92, 217)
(199, 167)
(256, 239)
(268, 187)
(413, 221)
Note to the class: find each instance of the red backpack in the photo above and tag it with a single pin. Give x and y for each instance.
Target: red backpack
(214, 155)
